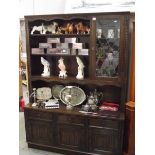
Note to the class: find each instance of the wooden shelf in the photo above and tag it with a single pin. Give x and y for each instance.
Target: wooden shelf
(68, 55)
(59, 35)
(100, 82)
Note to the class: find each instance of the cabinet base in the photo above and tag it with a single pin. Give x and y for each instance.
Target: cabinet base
(57, 150)
(62, 150)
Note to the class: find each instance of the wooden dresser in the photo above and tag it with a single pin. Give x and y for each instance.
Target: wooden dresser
(71, 132)
(104, 50)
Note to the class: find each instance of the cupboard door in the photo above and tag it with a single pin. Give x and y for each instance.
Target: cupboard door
(40, 132)
(107, 47)
(71, 137)
(103, 141)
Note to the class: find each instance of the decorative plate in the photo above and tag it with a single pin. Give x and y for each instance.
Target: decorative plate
(72, 95)
(44, 93)
(56, 91)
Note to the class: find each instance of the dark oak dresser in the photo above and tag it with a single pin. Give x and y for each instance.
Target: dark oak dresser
(104, 50)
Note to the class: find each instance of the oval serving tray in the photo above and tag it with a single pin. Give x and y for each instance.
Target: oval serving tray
(72, 95)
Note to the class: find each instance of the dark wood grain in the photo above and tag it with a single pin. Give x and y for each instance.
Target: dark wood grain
(71, 132)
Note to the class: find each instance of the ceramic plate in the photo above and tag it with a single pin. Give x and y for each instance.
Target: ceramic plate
(56, 91)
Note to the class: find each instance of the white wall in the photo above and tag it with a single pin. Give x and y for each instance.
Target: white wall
(49, 6)
(25, 8)
(39, 7)
(36, 7)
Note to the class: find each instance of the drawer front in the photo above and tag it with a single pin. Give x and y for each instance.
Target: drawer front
(103, 123)
(39, 114)
(69, 119)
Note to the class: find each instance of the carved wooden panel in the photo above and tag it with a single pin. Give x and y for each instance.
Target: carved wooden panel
(104, 123)
(39, 132)
(67, 119)
(71, 136)
(103, 141)
(39, 115)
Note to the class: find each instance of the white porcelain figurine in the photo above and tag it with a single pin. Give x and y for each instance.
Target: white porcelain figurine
(81, 66)
(50, 28)
(46, 64)
(62, 67)
(38, 28)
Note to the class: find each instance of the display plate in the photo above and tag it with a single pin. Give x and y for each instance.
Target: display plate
(44, 93)
(56, 91)
(72, 95)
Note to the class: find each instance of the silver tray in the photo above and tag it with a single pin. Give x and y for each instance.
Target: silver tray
(56, 91)
(72, 95)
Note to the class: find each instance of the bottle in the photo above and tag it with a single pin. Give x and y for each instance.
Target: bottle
(22, 104)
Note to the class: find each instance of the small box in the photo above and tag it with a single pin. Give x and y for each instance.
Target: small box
(58, 46)
(77, 46)
(83, 52)
(73, 52)
(45, 45)
(64, 45)
(70, 40)
(65, 51)
(37, 50)
(52, 50)
(53, 40)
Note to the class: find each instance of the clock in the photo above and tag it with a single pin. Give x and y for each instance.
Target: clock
(44, 93)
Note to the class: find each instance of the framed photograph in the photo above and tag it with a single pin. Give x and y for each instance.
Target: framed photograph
(45, 45)
(52, 51)
(70, 40)
(37, 51)
(53, 40)
(77, 46)
(83, 52)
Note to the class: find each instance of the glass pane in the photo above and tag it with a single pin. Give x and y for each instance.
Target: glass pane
(107, 47)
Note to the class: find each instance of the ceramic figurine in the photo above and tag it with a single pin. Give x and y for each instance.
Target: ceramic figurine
(34, 94)
(81, 66)
(46, 64)
(62, 67)
(69, 28)
(50, 28)
(82, 29)
(38, 28)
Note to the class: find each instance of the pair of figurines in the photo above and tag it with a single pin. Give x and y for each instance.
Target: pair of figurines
(62, 67)
(63, 72)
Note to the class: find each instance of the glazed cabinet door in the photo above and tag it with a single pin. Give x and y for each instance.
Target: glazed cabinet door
(103, 141)
(107, 47)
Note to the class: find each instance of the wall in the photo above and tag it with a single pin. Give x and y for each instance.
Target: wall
(36, 7)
